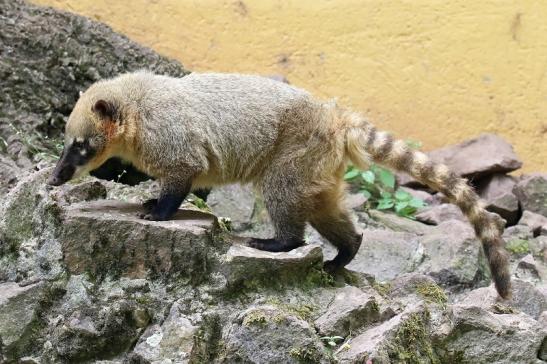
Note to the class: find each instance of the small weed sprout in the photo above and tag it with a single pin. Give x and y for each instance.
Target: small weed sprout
(121, 175)
(332, 341)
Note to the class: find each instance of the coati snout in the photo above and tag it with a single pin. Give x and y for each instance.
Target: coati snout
(204, 130)
(73, 159)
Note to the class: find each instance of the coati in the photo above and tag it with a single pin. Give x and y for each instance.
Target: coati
(206, 129)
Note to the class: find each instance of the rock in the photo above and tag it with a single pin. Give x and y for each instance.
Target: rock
(453, 255)
(267, 334)
(172, 340)
(386, 254)
(29, 224)
(497, 191)
(234, 202)
(538, 247)
(495, 185)
(393, 222)
(278, 77)
(426, 197)
(531, 191)
(355, 201)
(402, 337)
(249, 267)
(526, 298)
(506, 206)
(18, 309)
(350, 309)
(527, 267)
(101, 331)
(106, 238)
(479, 336)
(42, 78)
(80, 192)
(412, 289)
(496, 156)
(9, 173)
(517, 232)
(536, 222)
(434, 215)
(133, 194)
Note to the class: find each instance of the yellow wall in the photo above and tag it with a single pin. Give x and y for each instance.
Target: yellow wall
(434, 71)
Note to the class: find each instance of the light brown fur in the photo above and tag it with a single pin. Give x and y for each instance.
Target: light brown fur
(210, 129)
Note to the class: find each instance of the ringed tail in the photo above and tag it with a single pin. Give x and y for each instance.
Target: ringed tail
(364, 141)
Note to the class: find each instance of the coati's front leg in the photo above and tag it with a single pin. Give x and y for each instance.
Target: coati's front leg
(173, 192)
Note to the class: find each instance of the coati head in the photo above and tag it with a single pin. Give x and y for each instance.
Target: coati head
(91, 134)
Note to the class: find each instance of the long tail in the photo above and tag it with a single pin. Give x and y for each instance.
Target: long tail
(364, 142)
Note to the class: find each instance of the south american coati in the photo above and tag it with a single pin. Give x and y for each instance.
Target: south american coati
(210, 129)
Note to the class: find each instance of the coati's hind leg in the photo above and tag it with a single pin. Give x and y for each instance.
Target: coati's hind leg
(333, 222)
(287, 211)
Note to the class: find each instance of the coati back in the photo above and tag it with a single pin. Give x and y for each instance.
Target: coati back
(204, 130)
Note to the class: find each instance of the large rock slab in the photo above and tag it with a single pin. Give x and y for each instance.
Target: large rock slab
(107, 238)
(387, 254)
(531, 191)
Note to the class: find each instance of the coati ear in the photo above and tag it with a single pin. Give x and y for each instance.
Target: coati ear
(106, 110)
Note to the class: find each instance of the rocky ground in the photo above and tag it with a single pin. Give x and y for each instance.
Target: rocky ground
(83, 280)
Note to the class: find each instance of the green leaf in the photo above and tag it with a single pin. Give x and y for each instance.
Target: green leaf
(399, 206)
(402, 195)
(407, 212)
(368, 176)
(385, 204)
(367, 194)
(351, 174)
(386, 195)
(387, 178)
(416, 203)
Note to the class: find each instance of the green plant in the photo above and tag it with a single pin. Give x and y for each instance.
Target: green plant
(38, 146)
(332, 341)
(378, 186)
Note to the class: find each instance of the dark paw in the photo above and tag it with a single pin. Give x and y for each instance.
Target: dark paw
(332, 267)
(149, 205)
(272, 245)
